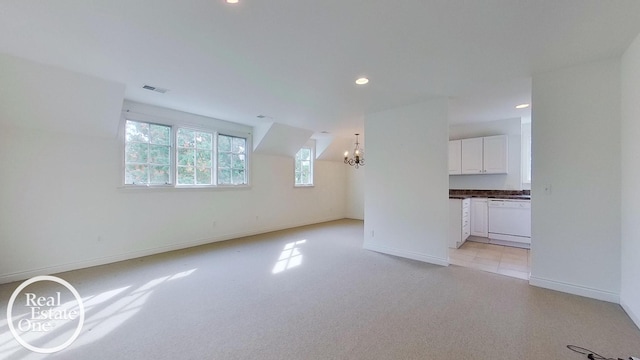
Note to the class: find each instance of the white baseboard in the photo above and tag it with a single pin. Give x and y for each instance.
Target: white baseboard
(54, 269)
(575, 289)
(407, 254)
(634, 317)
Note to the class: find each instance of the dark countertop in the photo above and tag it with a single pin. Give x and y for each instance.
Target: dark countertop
(512, 197)
(490, 194)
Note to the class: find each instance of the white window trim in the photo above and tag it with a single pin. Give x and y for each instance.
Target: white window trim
(311, 145)
(213, 159)
(175, 125)
(247, 167)
(124, 157)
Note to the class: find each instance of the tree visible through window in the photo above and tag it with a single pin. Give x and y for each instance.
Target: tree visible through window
(195, 161)
(304, 167)
(232, 160)
(147, 154)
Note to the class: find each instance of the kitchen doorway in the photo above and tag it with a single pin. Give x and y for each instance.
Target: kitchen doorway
(477, 253)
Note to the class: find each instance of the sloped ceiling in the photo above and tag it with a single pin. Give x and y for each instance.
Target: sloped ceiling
(296, 61)
(279, 139)
(41, 96)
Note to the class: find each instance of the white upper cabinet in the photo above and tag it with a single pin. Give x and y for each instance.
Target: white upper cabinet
(455, 157)
(482, 155)
(495, 159)
(472, 156)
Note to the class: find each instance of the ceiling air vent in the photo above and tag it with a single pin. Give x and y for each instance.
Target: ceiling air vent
(156, 89)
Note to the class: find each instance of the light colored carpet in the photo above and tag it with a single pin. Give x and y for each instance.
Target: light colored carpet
(224, 301)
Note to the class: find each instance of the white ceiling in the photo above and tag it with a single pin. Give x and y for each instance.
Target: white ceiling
(296, 60)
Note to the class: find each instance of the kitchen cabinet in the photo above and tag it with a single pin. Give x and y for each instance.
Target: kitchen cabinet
(494, 154)
(471, 156)
(481, 155)
(459, 221)
(479, 217)
(455, 157)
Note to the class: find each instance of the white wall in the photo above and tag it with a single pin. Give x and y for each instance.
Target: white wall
(355, 192)
(62, 206)
(630, 279)
(510, 181)
(406, 184)
(576, 150)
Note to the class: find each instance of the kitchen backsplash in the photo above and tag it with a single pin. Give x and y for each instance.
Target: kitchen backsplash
(489, 192)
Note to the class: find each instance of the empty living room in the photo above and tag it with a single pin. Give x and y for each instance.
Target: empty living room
(246, 179)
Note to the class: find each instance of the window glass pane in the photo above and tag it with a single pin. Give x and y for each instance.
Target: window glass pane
(305, 178)
(224, 176)
(305, 154)
(238, 161)
(186, 156)
(203, 158)
(186, 175)
(238, 177)
(136, 153)
(147, 153)
(159, 154)
(186, 138)
(136, 174)
(203, 176)
(160, 135)
(160, 175)
(224, 160)
(137, 131)
(238, 145)
(224, 143)
(204, 140)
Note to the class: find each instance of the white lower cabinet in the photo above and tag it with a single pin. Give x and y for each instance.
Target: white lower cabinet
(479, 217)
(459, 221)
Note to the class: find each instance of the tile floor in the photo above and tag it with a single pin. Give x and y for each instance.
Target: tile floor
(505, 260)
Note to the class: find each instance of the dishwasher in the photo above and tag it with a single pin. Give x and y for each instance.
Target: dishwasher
(510, 220)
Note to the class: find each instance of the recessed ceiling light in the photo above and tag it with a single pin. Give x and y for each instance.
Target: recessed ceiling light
(362, 81)
(232, 1)
(522, 106)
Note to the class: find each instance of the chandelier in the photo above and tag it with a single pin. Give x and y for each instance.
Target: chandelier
(357, 159)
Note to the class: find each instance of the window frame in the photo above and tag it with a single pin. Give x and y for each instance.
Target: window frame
(311, 160)
(172, 179)
(247, 162)
(174, 126)
(213, 157)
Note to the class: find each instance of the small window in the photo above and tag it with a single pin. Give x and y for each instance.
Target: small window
(232, 160)
(304, 167)
(526, 153)
(147, 155)
(194, 158)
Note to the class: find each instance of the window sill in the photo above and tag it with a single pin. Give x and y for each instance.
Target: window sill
(303, 186)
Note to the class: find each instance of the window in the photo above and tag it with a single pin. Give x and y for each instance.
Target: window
(203, 158)
(526, 153)
(147, 155)
(304, 167)
(232, 162)
(194, 159)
